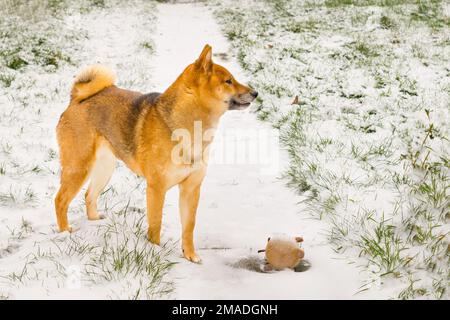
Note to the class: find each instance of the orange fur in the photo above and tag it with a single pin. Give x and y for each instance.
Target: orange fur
(91, 80)
(104, 122)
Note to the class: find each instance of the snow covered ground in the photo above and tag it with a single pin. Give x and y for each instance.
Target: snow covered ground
(149, 45)
(368, 135)
(239, 206)
(111, 258)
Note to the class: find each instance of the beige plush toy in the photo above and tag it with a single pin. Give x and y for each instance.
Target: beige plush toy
(283, 252)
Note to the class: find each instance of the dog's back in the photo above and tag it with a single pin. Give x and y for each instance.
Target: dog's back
(115, 114)
(99, 107)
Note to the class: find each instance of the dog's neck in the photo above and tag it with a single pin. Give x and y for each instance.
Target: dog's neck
(180, 108)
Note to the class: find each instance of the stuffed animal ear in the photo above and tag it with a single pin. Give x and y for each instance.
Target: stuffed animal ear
(299, 239)
(268, 239)
(204, 61)
(300, 253)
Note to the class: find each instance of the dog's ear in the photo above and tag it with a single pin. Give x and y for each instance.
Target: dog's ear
(204, 61)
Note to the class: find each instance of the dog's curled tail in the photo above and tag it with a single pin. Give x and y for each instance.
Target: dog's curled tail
(91, 80)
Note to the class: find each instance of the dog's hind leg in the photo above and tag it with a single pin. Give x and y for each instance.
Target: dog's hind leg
(77, 150)
(72, 179)
(102, 170)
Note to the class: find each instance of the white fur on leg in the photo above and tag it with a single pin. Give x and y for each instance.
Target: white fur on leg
(101, 172)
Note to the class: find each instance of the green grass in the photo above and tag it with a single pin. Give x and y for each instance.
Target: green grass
(116, 255)
(6, 80)
(125, 252)
(384, 247)
(37, 44)
(148, 45)
(426, 11)
(32, 38)
(2, 168)
(430, 13)
(381, 3)
(365, 49)
(15, 62)
(302, 26)
(23, 231)
(18, 197)
(387, 23)
(38, 51)
(34, 34)
(380, 174)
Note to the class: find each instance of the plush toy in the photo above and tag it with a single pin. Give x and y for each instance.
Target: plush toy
(283, 252)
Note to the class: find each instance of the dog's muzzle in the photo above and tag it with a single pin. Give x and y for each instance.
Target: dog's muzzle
(243, 101)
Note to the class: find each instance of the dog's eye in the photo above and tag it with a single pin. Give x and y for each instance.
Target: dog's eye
(229, 81)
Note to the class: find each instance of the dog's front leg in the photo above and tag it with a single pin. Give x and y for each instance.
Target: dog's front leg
(155, 202)
(189, 196)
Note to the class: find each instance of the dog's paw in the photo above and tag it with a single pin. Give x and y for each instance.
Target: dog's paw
(97, 217)
(193, 257)
(66, 229)
(154, 239)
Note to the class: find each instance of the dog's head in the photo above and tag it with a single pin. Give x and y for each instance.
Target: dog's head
(216, 86)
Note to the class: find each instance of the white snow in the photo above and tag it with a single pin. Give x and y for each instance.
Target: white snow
(368, 97)
(239, 207)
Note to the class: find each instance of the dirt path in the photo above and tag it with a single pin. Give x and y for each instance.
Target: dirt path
(239, 207)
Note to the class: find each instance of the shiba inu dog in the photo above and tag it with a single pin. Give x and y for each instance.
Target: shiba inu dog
(103, 123)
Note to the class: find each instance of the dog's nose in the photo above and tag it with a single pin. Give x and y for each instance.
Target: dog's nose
(254, 93)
